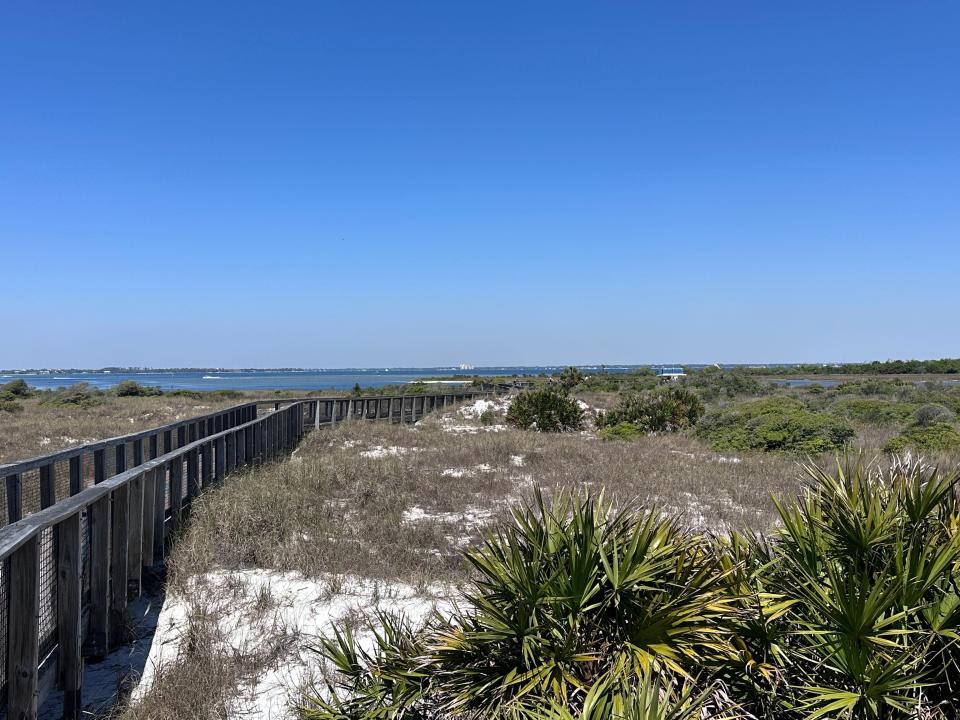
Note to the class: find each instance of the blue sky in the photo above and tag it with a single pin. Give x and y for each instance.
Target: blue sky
(370, 184)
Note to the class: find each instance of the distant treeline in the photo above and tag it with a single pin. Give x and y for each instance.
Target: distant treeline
(945, 366)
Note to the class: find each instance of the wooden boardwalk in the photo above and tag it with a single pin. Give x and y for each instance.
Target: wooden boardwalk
(84, 524)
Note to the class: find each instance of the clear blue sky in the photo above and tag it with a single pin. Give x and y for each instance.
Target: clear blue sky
(406, 183)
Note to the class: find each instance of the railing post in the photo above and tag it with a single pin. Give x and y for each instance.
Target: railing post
(99, 467)
(193, 476)
(48, 485)
(119, 536)
(231, 453)
(135, 536)
(121, 463)
(76, 474)
(206, 464)
(159, 514)
(149, 515)
(154, 446)
(98, 515)
(14, 498)
(176, 493)
(167, 441)
(333, 413)
(69, 588)
(220, 450)
(23, 630)
(138, 452)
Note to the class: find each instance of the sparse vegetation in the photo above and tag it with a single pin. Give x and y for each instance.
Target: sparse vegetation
(547, 409)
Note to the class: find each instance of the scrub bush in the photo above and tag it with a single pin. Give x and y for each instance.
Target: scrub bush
(777, 424)
(547, 409)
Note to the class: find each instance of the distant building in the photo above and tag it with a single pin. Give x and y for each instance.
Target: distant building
(670, 374)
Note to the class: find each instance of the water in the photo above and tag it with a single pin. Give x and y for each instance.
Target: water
(343, 379)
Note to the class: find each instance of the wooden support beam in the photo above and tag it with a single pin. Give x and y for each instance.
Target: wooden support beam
(221, 459)
(149, 518)
(119, 547)
(135, 536)
(193, 475)
(160, 485)
(99, 467)
(121, 463)
(176, 493)
(76, 474)
(14, 498)
(23, 631)
(98, 515)
(206, 464)
(48, 485)
(69, 588)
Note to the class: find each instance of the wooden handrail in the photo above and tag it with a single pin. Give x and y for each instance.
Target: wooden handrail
(129, 524)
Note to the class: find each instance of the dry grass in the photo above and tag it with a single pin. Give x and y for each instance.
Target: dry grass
(398, 503)
(41, 429)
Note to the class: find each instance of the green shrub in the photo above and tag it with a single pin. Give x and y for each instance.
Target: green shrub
(933, 413)
(571, 377)
(488, 417)
(229, 394)
(131, 388)
(621, 431)
(714, 382)
(777, 424)
(15, 389)
(10, 406)
(80, 394)
(567, 597)
(192, 394)
(935, 436)
(872, 411)
(665, 409)
(547, 409)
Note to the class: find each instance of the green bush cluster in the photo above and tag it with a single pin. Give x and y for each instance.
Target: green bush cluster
(547, 409)
(777, 424)
(665, 409)
(851, 609)
(714, 383)
(131, 388)
(633, 380)
(81, 394)
(932, 436)
(873, 411)
(621, 431)
(571, 377)
(11, 392)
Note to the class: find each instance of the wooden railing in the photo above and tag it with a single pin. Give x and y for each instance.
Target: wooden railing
(68, 569)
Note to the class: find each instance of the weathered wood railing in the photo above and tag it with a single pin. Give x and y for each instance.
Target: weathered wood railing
(68, 569)
(31, 485)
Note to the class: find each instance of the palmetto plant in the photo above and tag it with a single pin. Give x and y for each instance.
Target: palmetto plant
(849, 608)
(869, 561)
(573, 605)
